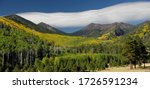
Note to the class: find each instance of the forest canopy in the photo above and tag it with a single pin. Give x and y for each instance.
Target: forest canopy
(24, 49)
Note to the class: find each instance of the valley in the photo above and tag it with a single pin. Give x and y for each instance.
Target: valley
(25, 46)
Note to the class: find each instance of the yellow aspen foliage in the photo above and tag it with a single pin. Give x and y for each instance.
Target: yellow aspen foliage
(104, 37)
(145, 30)
(61, 40)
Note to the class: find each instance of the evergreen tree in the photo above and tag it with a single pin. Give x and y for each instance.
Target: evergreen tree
(135, 51)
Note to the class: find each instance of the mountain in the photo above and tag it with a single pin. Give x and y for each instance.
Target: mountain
(24, 49)
(96, 30)
(145, 22)
(43, 25)
(57, 39)
(18, 46)
(31, 25)
(143, 29)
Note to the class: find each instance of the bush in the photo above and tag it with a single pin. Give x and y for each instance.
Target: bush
(87, 62)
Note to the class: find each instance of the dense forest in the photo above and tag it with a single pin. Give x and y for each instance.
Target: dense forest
(24, 49)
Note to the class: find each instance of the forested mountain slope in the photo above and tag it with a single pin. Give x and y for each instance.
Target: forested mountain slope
(50, 28)
(40, 27)
(24, 49)
(61, 40)
(97, 30)
(19, 48)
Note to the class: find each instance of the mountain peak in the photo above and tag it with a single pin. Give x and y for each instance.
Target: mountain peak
(13, 16)
(96, 30)
(43, 25)
(46, 26)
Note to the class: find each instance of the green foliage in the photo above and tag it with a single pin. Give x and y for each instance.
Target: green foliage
(18, 48)
(135, 51)
(16, 69)
(87, 62)
(76, 63)
(44, 65)
(39, 27)
(24, 49)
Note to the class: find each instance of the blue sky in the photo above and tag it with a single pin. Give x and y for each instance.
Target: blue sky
(18, 6)
(76, 14)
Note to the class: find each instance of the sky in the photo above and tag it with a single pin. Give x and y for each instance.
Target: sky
(18, 6)
(68, 8)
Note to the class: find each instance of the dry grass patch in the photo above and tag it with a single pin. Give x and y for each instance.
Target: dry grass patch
(127, 69)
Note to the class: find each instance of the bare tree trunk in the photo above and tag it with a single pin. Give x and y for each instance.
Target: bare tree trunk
(135, 66)
(27, 58)
(140, 64)
(3, 59)
(131, 66)
(21, 58)
(144, 65)
(8, 57)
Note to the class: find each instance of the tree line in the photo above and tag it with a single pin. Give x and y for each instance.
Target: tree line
(20, 51)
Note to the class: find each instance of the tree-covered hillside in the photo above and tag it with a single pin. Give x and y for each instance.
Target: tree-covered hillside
(25, 49)
(97, 30)
(34, 26)
(59, 40)
(18, 48)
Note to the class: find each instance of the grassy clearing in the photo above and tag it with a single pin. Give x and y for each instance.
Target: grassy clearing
(127, 69)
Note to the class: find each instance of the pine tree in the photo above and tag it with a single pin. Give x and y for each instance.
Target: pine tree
(135, 51)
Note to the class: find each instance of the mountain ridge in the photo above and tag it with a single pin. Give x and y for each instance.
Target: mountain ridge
(32, 25)
(43, 25)
(97, 30)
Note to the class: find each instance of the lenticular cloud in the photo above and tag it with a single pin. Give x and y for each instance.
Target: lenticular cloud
(126, 12)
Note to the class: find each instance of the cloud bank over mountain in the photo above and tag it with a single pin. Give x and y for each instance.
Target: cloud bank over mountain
(125, 12)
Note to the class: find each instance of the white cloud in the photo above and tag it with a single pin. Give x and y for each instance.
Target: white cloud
(126, 12)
